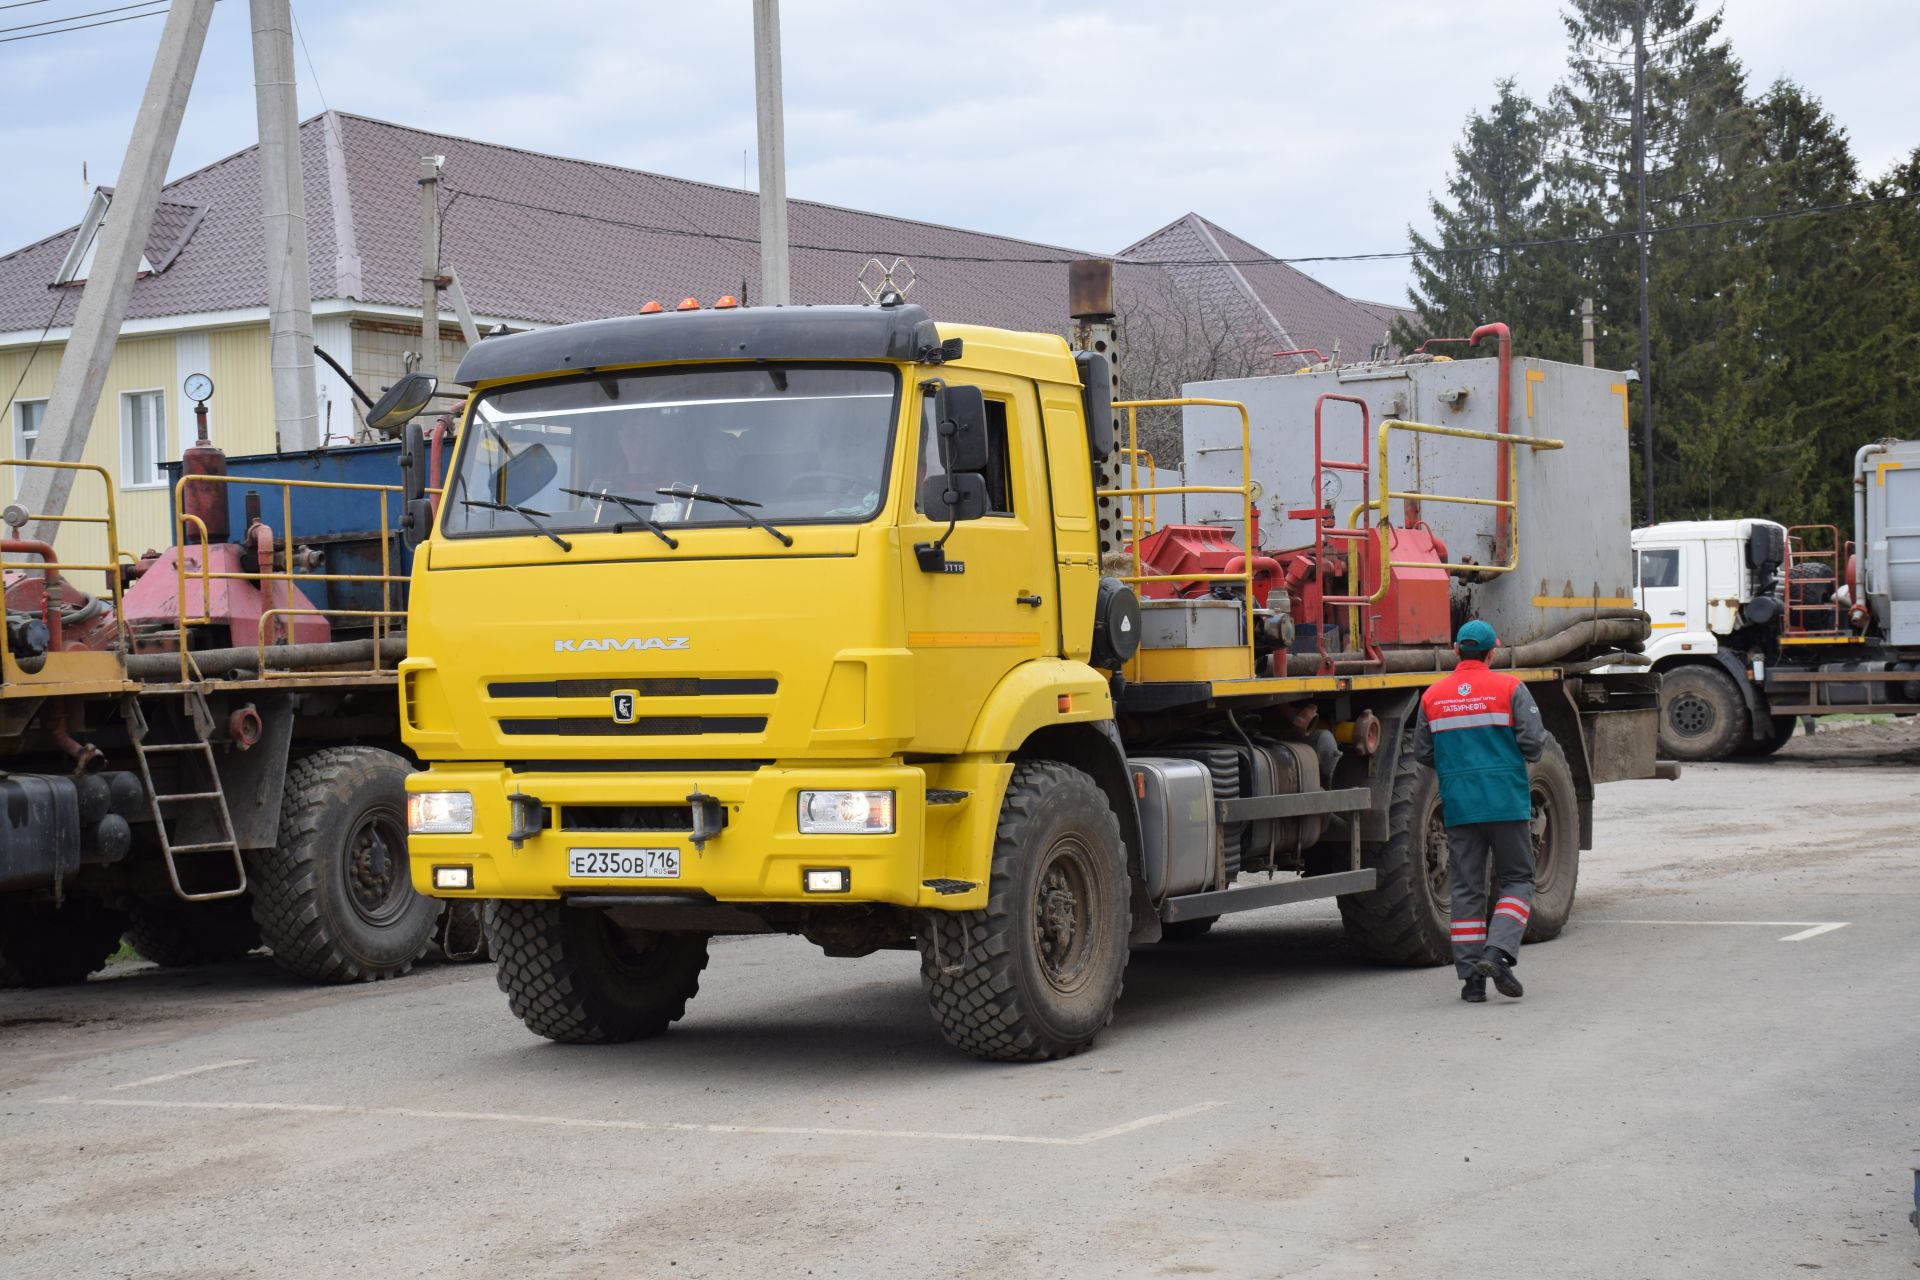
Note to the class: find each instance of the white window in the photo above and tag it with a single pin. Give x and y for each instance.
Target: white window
(27, 417)
(143, 439)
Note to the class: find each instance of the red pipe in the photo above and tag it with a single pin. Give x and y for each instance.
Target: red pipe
(1421, 349)
(56, 639)
(1505, 413)
(441, 426)
(1303, 351)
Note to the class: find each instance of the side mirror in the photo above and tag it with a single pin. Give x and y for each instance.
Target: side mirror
(402, 400)
(1096, 397)
(416, 521)
(958, 495)
(961, 417)
(525, 474)
(413, 463)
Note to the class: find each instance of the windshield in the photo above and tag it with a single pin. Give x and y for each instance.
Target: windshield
(785, 444)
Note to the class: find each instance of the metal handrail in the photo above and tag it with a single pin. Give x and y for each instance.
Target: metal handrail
(1152, 522)
(289, 577)
(1388, 494)
(110, 521)
(1245, 489)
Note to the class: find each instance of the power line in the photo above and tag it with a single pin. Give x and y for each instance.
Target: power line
(1751, 219)
(61, 31)
(38, 342)
(75, 17)
(21, 4)
(311, 70)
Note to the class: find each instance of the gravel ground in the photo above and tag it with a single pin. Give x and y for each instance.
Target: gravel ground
(1705, 1079)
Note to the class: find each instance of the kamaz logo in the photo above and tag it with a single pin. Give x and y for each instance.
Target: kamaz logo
(630, 645)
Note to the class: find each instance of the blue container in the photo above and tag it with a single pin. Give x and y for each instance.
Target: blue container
(344, 524)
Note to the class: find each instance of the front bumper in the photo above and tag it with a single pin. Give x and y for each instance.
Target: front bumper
(759, 857)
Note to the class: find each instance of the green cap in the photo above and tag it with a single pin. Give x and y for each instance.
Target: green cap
(1478, 636)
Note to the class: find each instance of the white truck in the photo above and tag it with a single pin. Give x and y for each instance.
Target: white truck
(1756, 623)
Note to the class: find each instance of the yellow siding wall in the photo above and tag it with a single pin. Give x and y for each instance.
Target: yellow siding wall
(240, 414)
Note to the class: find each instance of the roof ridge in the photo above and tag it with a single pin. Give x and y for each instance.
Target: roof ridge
(713, 186)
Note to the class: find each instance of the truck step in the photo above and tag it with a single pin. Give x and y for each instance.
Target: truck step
(1219, 902)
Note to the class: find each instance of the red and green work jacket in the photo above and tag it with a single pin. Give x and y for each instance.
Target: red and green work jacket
(1477, 729)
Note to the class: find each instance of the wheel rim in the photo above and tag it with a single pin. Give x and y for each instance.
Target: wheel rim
(1690, 715)
(376, 867)
(1064, 924)
(1545, 828)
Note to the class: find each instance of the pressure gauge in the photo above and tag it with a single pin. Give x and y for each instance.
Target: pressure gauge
(199, 388)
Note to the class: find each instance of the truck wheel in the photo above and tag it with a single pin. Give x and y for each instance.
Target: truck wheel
(1035, 974)
(575, 976)
(335, 901)
(1702, 716)
(42, 945)
(1556, 843)
(1405, 919)
(179, 935)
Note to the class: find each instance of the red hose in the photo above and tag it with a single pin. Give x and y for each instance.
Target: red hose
(1504, 413)
(56, 638)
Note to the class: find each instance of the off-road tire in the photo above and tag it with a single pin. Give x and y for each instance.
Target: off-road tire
(1782, 731)
(180, 935)
(1404, 919)
(42, 945)
(992, 976)
(574, 976)
(1702, 715)
(1187, 930)
(335, 902)
(1556, 843)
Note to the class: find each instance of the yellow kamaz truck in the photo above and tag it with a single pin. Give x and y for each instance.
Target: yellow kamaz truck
(840, 622)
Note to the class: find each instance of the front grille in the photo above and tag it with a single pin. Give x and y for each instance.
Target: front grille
(637, 766)
(626, 817)
(646, 687)
(645, 727)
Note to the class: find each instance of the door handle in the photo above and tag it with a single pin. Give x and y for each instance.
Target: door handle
(1032, 601)
(1676, 613)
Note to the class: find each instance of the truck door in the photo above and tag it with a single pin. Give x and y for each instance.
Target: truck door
(967, 629)
(1672, 580)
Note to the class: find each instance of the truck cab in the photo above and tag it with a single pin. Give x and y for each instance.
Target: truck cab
(1698, 581)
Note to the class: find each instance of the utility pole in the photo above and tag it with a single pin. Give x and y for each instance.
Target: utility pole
(1586, 332)
(430, 264)
(776, 282)
(283, 205)
(116, 264)
(1646, 307)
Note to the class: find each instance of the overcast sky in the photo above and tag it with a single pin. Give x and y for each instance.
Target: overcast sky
(1306, 128)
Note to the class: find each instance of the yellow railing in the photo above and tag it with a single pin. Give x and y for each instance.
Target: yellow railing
(1508, 504)
(287, 577)
(1137, 493)
(1138, 527)
(110, 522)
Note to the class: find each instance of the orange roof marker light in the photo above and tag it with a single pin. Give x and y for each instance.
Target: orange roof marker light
(726, 300)
(688, 304)
(652, 309)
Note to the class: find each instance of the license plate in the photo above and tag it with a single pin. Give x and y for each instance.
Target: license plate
(623, 864)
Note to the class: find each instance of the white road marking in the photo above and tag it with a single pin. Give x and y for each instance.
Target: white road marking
(1807, 928)
(641, 1126)
(190, 1071)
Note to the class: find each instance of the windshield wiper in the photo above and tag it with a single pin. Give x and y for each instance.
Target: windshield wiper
(525, 513)
(738, 505)
(632, 506)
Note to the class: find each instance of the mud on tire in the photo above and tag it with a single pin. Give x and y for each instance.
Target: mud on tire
(573, 975)
(1036, 973)
(42, 945)
(1702, 715)
(335, 901)
(179, 935)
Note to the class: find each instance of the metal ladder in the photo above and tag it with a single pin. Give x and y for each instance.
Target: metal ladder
(180, 804)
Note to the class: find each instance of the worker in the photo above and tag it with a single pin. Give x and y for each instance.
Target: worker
(1477, 729)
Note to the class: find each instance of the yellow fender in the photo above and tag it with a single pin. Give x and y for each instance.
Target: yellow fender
(1030, 698)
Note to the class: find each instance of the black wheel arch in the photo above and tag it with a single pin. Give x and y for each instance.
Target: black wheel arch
(1094, 748)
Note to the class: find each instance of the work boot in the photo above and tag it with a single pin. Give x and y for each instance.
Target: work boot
(1474, 990)
(1495, 964)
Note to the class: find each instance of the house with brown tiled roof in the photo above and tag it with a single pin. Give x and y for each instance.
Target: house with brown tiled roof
(536, 240)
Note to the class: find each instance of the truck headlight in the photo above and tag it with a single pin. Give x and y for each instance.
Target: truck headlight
(844, 813)
(440, 813)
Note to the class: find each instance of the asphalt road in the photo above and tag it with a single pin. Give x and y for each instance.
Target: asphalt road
(1701, 1081)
